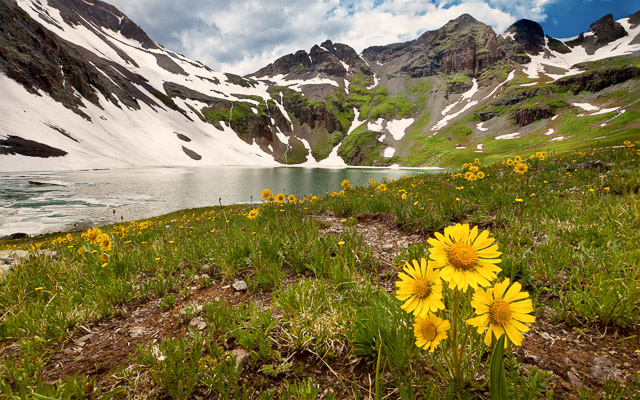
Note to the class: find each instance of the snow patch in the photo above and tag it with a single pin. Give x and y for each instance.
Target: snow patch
(586, 106)
(550, 132)
(376, 126)
(389, 152)
(606, 110)
(355, 123)
(511, 75)
(508, 136)
(397, 127)
(480, 146)
(481, 127)
(557, 139)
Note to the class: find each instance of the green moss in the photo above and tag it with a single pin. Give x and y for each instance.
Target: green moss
(361, 147)
(556, 45)
(166, 100)
(297, 153)
(213, 115)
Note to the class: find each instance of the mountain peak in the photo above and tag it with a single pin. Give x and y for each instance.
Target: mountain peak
(529, 34)
(606, 30)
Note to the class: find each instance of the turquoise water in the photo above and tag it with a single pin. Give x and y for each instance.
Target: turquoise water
(36, 203)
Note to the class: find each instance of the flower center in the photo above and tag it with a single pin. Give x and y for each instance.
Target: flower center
(462, 256)
(429, 332)
(500, 312)
(421, 288)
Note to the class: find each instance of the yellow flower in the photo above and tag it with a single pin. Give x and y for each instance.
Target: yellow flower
(467, 175)
(505, 311)
(420, 288)
(341, 243)
(104, 257)
(480, 175)
(92, 235)
(473, 168)
(509, 162)
(280, 198)
(266, 194)
(69, 237)
(346, 184)
(292, 199)
(429, 331)
(517, 159)
(520, 168)
(105, 242)
(519, 200)
(81, 250)
(253, 214)
(382, 187)
(467, 258)
(473, 177)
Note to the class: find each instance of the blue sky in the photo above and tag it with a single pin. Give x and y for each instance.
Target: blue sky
(242, 36)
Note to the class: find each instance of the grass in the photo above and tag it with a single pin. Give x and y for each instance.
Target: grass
(325, 299)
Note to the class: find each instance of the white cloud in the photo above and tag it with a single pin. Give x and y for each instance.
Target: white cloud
(243, 36)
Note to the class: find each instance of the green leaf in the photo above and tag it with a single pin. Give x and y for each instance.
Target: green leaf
(497, 378)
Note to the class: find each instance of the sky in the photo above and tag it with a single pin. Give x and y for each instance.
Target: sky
(242, 36)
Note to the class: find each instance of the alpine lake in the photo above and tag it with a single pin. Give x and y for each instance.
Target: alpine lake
(47, 202)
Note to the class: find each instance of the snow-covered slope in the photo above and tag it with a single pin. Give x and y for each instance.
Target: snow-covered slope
(117, 135)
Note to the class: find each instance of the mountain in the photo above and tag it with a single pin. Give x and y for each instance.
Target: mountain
(85, 87)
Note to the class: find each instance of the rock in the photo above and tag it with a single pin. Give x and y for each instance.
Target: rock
(526, 116)
(601, 165)
(242, 357)
(198, 323)
(136, 332)
(533, 359)
(574, 380)
(602, 369)
(606, 30)
(240, 286)
(17, 235)
(545, 336)
(596, 80)
(11, 258)
(387, 247)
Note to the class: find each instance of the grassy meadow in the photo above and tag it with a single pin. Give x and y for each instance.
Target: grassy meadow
(146, 309)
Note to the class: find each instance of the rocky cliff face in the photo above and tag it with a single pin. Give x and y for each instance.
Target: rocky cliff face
(463, 45)
(329, 59)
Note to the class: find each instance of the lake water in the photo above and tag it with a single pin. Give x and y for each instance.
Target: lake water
(46, 202)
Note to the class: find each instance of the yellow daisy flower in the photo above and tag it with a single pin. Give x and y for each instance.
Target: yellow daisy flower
(345, 184)
(253, 214)
(520, 168)
(473, 168)
(429, 331)
(292, 199)
(480, 175)
(509, 162)
(505, 311)
(421, 287)
(266, 194)
(382, 187)
(280, 198)
(105, 242)
(92, 235)
(517, 159)
(467, 258)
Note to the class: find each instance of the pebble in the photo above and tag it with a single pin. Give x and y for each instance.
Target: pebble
(198, 323)
(136, 332)
(240, 286)
(574, 380)
(602, 369)
(242, 357)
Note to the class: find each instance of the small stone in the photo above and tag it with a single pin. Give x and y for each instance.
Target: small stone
(198, 323)
(205, 276)
(533, 359)
(546, 336)
(602, 369)
(196, 278)
(242, 357)
(574, 380)
(387, 247)
(240, 286)
(136, 332)
(86, 338)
